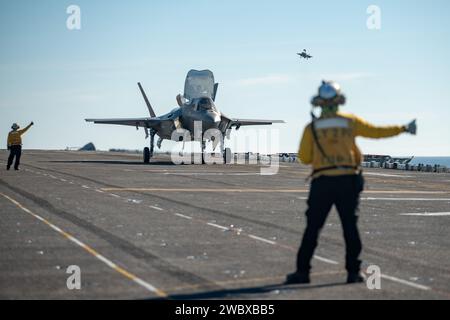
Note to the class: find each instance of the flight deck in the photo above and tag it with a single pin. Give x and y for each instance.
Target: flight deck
(158, 230)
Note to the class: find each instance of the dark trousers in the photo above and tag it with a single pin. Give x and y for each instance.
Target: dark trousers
(15, 151)
(343, 192)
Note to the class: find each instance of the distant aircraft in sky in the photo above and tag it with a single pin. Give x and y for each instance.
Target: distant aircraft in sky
(304, 55)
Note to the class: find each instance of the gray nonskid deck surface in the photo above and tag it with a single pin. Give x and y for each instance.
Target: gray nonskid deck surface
(197, 231)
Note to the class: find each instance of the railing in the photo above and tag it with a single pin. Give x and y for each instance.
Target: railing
(407, 167)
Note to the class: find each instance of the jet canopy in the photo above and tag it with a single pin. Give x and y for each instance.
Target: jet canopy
(199, 84)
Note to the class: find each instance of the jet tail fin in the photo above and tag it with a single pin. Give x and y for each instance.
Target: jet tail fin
(149, 106)
(216, 86)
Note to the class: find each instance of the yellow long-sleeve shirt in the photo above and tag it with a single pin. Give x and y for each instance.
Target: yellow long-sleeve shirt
(336, 134)
(15, 136)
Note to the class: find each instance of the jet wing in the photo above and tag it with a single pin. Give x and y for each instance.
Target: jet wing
(252, 122)
(228, 123)
(135, 122)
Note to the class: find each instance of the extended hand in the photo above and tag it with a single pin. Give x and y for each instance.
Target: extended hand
(411, 127)
(32, 123)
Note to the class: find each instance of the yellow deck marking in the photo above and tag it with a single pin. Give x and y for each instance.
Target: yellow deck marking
(91, 251)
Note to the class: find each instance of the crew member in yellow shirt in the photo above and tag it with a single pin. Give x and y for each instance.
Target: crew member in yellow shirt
(328, 145)
(15, 145)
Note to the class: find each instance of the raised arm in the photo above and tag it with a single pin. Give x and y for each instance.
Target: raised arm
(22, 131)
(365, 129)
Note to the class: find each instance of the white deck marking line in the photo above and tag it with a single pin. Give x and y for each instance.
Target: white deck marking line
(114, 195)
(404, 199)
(274, 190)
(156, 208)
(56, 228)
(217, 226)
(149, 287)
(183, 216)
(213, 174)
(93, 252)
(153, 289)
(427, 214)
(52, 176)
(261, 239)
(386, 175)
(204, 190)
(405, 282)
(63, 180)
(106, 261)
(84, 186)
(320, 258)
(406, 192)
(99, 191)
(135, 201)
(76, 241)
(385, 276)
(325, 260)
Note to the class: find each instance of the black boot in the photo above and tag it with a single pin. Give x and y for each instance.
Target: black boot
(297, 278)
(355, 277)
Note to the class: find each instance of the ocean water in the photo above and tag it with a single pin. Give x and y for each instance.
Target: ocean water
(443, 161)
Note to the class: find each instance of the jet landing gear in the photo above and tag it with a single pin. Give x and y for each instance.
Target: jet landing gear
(227, 156)
(225, 152)
(203, 151)
(147, 155)
(148, 152)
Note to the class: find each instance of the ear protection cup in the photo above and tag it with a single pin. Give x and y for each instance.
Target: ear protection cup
(317, 101)
(340, 99)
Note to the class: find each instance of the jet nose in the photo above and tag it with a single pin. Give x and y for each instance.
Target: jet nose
(211, 119)
(215, 117)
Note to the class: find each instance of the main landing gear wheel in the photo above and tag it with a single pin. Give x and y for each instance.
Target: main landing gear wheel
(227, 156)
(148, 152)
(146, 155)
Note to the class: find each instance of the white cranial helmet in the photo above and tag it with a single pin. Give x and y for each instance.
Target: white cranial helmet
(329, 95)
(329, 90)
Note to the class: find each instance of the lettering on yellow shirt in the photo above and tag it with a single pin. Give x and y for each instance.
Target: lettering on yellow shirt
(336, 134)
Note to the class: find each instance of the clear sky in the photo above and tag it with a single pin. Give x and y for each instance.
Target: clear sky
(57, 77)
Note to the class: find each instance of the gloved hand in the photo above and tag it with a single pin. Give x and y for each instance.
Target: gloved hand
(411, 127)
(32, 123)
